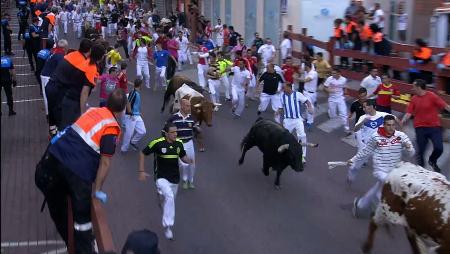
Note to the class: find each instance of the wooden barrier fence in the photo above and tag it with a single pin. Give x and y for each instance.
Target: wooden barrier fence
(394, 62)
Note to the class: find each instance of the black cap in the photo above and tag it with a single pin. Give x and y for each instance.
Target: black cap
(141, 242)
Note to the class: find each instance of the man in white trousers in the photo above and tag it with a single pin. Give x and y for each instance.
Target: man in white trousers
(214, 80)
(168, 150)
(291, 104)
(310, 90)
(134, 125)
(386, 147)
(224, 67)
(239, 86)
(218, 30)
(77, 22)
(202, 66)
(185, 132)
(272, 86)
(142, 54)
(64, 18)
(267, 52)
(184, 53)
(334, 86)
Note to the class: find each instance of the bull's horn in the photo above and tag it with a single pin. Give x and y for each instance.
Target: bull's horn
(283, 148)
(197, 105)
(217, 104)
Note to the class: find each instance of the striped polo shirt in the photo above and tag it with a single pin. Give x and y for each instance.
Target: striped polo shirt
(292, 104)
(185, 126)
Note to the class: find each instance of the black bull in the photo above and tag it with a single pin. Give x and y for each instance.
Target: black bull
(279, 147)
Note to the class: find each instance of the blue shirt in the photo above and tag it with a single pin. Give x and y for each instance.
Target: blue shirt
(134, 98)
(43, 54)
(185, 126)
(208, 44)
(292, 104)
(6, 65)
(161, 57)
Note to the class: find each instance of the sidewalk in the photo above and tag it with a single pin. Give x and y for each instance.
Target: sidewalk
(24, 138)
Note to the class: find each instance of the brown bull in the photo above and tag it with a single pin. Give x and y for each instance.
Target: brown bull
(176, 82)
(419, 200)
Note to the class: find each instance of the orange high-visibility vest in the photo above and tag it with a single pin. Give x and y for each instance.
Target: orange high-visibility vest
(365, 33)
(446, 59)
(377, 37)
(82, 63)
(38, 13)
(424, 53)
(51, 17)
(338, 32)
(350, 27)
(94, 124)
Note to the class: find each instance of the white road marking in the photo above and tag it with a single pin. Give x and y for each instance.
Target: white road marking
(28, 100)
(330, 125)
(21, 65)
(31, 243)
(350, 140)
(26, 86)
(62, 250)
(19, 57)
(24, 74)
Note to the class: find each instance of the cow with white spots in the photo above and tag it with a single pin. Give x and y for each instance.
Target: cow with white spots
(419, 200)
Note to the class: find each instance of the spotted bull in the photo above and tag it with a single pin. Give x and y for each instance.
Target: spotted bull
(418, 200)
(176, 82)
(279, 147)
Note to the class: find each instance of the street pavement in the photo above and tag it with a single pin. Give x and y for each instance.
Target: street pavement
(234, 209)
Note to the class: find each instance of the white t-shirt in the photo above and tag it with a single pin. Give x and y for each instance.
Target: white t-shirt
(183, 43)
(142, 55)
(266, 51)
(372, 125)
(240, 77)
(63, 16)
(219, 33)
(337, 86)
(311, 86)
(402, 22)
(377, 18)
(370, 83)
(286, 44)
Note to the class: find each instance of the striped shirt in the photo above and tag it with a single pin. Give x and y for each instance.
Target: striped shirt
(134, 98)
(386, 151)
(185, 126)
(292, 104)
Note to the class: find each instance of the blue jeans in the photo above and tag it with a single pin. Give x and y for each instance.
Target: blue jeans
(423, 134)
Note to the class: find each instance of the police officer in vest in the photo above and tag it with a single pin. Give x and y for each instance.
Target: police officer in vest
(8, 77)
(77, 158)
(42, 57)
(168, 150)
(22, 16)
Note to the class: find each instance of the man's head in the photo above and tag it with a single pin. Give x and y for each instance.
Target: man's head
(308, 66)
(170, 132)
(419, 86)
(185, 106)
(113, 71)
(362, 94)
(336, 73)
(35, 20)
(180, 34)
(377, 6)
(241, 65)
(212, 57)
(97, 53)
(389, 124)
(219, 55)
(271, 68)
(319, 56)
(117, 101)
(374, 72)
(369, 107)
(123, 66)
(231, 28)
(85, 46)
(268, 41)
(138, 83)
(287, 87)
(386, 79)
(219, 21)
(158, 46)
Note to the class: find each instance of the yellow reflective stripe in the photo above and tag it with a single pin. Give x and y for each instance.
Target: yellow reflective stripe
(151, 144)
(168, 156)
(87, 136)
(385, 92)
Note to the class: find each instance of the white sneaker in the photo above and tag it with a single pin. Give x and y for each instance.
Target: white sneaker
(168, 233)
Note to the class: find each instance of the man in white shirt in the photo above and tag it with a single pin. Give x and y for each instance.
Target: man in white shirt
(267, 52)
(285, 48)
(183, 52)
(218, 29)
(291, 103)
(310, 90)
(239, 85)
(77, 22)
(371, 82)
(402, 23)
(378, 16)
(334, 86)
(64, 17)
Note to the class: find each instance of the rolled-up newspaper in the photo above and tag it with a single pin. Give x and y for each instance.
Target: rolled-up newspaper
(333, 164)
(309, 144)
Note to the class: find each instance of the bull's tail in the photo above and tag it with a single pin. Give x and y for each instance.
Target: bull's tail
(244, 141)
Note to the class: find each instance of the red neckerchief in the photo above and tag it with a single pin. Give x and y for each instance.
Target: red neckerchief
(58, 50)
(382, 132)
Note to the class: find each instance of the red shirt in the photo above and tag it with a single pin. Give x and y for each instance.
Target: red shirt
(163, 40)
(202, 60)
(425, 110)
(288, 72)
(123, 81)
(384, 94)
(226, 37)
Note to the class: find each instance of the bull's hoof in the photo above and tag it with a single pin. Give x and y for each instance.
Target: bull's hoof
(366, 248)
(201, 149)
(241, 161)
(265, 172)
(277, 187)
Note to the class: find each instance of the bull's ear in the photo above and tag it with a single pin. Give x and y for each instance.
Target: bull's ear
(283, 148)
(197, 105)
